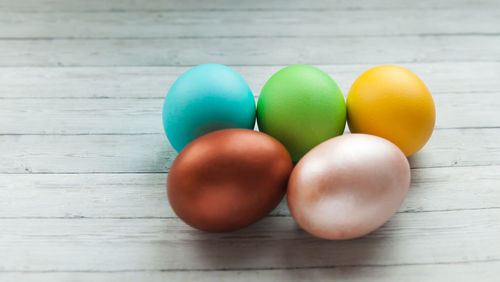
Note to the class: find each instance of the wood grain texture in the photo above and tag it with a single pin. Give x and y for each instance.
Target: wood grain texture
(152, 153)
(274, 242)
(228, 5)
(134, 116)
(323, 23)
(154, 82)
(412, 273)
(242, 51)
(84, 161)
(140, 195)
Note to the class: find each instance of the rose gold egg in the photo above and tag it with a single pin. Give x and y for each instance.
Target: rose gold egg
(228, 179)
(348, 186)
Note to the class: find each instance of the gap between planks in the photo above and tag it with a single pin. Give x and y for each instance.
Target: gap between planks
(253, 269)
(143, 116)
(143, 195)
(472, 271)
(177, 218)
(272, 242)
(152, 153)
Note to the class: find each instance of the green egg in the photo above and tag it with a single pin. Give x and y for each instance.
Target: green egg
(301, 106)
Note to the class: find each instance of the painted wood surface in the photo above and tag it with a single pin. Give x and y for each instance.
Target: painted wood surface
(428, 272)
(228, 5)
(274, 242)
(262, 23)
(132, 116)
(92, 153)
(154, 82)
(143, 195)
(243, 51)
(84, 161)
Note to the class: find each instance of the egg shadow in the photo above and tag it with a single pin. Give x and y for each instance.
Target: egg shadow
(277, 243)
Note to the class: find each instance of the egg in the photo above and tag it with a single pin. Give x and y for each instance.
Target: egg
(301, 106)
(204, 99)
(348, 186)
(228, 179)
(393, 103)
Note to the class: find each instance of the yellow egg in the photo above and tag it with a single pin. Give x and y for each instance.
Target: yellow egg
(393, 103)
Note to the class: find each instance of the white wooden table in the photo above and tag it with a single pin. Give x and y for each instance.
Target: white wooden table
(83, 157)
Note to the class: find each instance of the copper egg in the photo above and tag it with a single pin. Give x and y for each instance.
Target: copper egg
(228, 179)
(348, 186)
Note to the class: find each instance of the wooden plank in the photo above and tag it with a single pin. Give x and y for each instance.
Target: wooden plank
(225, 5)
(476, 271)
(248, 23)
(85, 153)
(455, 147)
(154, 82)
(81, 116)
(244, 51)
(143, 195)
(131, 82)
(152, 153)
(133, 116)
(276, 242)
(104, 216)
(467, 272)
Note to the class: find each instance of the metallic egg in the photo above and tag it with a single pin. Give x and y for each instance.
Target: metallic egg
(348, 186)
(228, 179)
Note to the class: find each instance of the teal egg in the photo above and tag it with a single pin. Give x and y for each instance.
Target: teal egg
(206, 98)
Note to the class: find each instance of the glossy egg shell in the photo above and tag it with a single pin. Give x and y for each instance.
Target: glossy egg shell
(393, 103)
(206, 98)
(348, 186)
(228, 179)
(301, 106)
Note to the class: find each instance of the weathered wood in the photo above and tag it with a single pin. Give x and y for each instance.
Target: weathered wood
(143, 195)
(228, 5)
(243, 51)
(152, 153)
(85, 153)
(476, 271)
(83, 158)
(133, 116)
(154, 82)
(275, 242)
(248, 23)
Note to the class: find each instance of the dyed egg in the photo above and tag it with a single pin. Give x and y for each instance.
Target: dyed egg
(301, 106)
(204, 99)
(393, 103)
(348, 186)
(228, 179)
